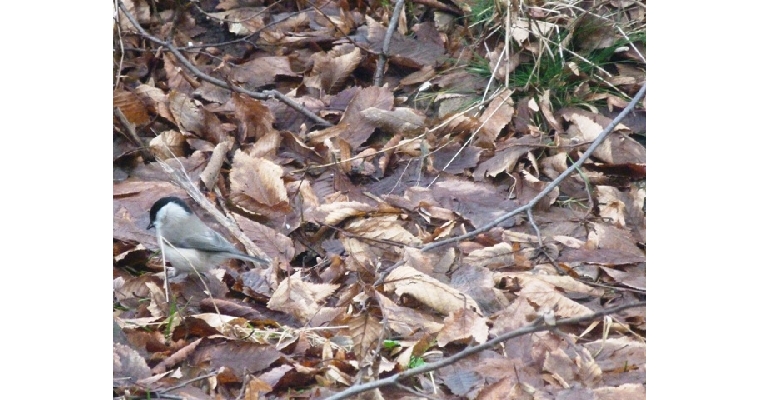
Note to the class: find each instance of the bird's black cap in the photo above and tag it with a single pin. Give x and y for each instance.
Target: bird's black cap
(162, 202)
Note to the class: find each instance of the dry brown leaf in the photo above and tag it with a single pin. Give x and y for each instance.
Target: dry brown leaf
(622, 359)
(176, 358)
(382, 228)
(363, 255)
(423, 75)
(479, 282)
(127, 363)
(400, 120)
(331, 69)
(478, 203)
(361, 128)
(321, 136)
(436, 265)
(567, 283)
(527, 187)
(553, 166)
(545, 296)
(618, 148)
(212, 93)
(544, 104)
(132, 106)
(497, 256)
(255, 388)
(226, 325)
(609, 237)
(433, 293)
(167, 145)
(407, 321)
(634, 277)
(457, 124)
(461, 381)
(155, 99)
(455, 160)
(463, 326)
(267, 146)
(139, 9)
(403, 50)
(239, 357)
(498, 390)
(271, 242)
(158, 306)
(354, 127)
(189, 116)
(502, 65)
(177, 78)
(262, 71)
(628, 391)
(299, 298)
(365, 330)
(572, 364)
(259, 179)
(255, 119)
(335, 213)
(611, 207)
(505, 159)
(243, 21)
(498, 114)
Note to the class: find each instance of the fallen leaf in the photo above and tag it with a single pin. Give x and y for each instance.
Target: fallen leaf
(259, 180)
(331, 69)
(462, 326)
(431, 292)
(298, 297)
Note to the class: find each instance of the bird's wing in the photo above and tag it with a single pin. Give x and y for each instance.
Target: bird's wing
(207, 241)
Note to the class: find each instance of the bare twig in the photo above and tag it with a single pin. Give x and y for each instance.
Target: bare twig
(218, 82)
(440, 125)
(121, 48)
(603, 135)
(132, 134)
(383, 57)
(620, 288)
(394, 379)
(472, 136)
(535, 227)
(187, 382)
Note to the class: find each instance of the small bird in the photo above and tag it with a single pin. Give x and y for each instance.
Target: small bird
(190, 244)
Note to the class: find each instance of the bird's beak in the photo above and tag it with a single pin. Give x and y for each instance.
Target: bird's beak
(150, 225)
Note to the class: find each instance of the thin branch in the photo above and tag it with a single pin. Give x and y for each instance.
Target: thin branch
(603, 135)
(440, 125)
(218, 82)
(132, 134)
(383, 58)
(474, 133)
(121, 47)
(394, 379)
(535, 228)
(187, 382)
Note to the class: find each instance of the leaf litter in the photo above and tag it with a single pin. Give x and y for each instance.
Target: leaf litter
(465, 128)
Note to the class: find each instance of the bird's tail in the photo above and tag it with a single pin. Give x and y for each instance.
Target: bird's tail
(253, 259)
